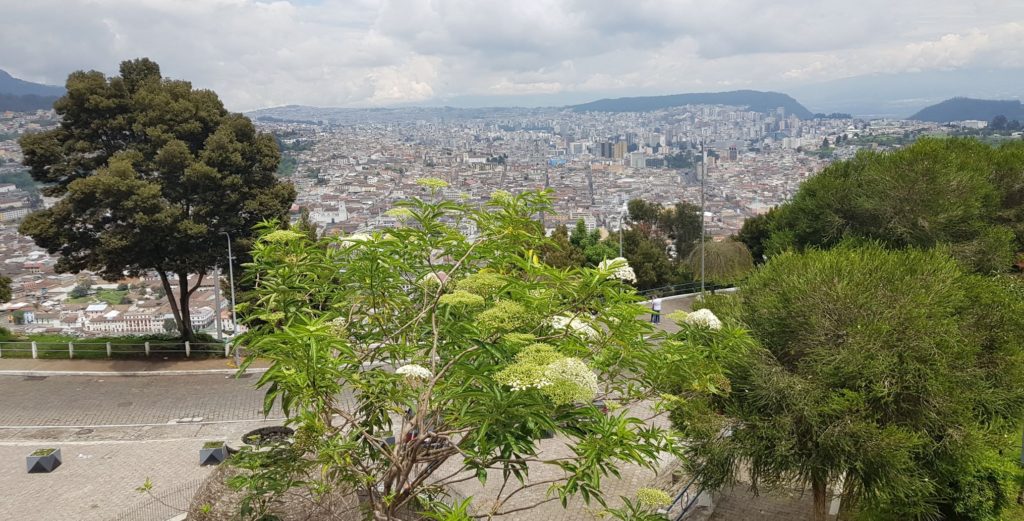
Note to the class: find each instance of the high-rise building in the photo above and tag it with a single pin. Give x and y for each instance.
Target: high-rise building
(620, 149)
(637, 160)
(733, 153)
(607, 150)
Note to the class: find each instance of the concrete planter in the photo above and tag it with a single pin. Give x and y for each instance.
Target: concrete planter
(43, 460)
(213, 453)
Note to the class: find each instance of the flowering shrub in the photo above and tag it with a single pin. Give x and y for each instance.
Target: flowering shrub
(415, 371)
(653, 497)
(491, 357)
(703, 318)
(619, 268)
(562, 379)
(575, 325)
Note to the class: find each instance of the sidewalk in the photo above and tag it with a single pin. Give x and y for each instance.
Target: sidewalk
(30, 367)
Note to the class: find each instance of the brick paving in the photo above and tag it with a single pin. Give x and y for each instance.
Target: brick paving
(120, 400)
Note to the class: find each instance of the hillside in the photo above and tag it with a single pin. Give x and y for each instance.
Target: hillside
(961, 109)
(757, 101)
(25, 96)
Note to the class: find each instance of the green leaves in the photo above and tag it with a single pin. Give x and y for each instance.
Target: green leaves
(337, 316)
(886, 368)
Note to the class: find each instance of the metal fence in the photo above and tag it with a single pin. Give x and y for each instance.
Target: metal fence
(87, 349)
(162, 505)
(682, 289)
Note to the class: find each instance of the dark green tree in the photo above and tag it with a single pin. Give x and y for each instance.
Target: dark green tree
(80, 290)
(5, 288)
(561, 253)
(644, 215)
(305, 225)
(890, 376)
(755, 233)
(958, 193)
(681, 222)
(725, 262)
(646, 254)
(152, 174)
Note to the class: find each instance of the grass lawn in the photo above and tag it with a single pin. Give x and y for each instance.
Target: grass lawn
(110, 296)
(56, 347)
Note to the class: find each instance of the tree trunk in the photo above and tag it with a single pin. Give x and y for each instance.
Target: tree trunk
(170, 298)
(819, 488)
(184, 294)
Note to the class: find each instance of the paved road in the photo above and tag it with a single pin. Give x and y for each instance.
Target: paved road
(114, 433)
(119, 400)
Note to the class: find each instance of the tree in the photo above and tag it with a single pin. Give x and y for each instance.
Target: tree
(682, 224)
(152, 174)
(891, 376)
(646, 254)
(755, 233)
(170, 326)
(725, 261)
(561, 253)
(305, 225)
(998, 123)
(80, 290)
(5, 288)
(459, 354)
(958, 193)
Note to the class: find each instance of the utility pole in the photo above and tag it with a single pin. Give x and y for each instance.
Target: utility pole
(234, 317)
(216, 302)
(622, 217)
(704, 173)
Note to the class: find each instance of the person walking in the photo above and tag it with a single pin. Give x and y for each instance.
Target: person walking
(656, 310)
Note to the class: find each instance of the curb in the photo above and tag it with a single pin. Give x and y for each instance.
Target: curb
(189, 372)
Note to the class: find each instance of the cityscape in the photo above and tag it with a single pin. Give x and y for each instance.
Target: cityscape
(439, 260)
(348, 173)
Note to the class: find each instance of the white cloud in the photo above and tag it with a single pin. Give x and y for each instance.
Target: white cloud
(380, 52)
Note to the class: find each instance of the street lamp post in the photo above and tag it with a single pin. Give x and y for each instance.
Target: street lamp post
(622, 217)
(231, 280)
(703, 174)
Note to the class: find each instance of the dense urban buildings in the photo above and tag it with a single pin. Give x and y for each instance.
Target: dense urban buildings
(351, 166)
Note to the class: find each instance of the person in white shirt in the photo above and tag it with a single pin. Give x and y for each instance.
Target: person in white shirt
(656, 310)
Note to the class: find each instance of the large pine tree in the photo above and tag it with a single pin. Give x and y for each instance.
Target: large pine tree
(152, 174)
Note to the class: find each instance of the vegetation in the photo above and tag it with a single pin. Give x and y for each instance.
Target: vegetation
(159, 196)
(890, 376)
(459, 353)
(957, 194)
(110, 296)
(725, 262)
(651, 244)
(5, 289)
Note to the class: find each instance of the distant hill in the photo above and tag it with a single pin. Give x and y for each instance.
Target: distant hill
(961, 109)
(25, 96)
(757, 101)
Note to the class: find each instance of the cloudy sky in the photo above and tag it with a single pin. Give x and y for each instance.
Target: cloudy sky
(358, 53)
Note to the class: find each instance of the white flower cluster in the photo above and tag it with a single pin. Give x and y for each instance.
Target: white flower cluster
(620, 269)
(415, 371)
(354, 239)
(579, 327)
(572, 381)
(703, 318)
(519, 385)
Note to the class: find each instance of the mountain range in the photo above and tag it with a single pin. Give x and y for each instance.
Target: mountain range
(756, 101)
(24, 96)
(961, 109)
